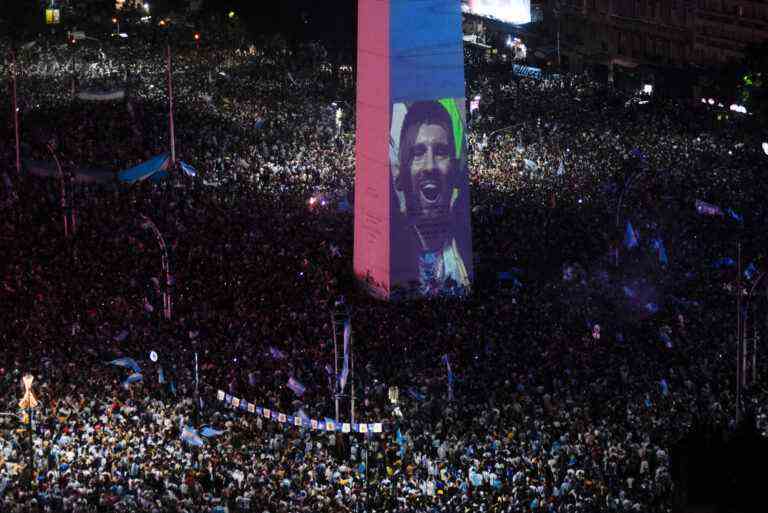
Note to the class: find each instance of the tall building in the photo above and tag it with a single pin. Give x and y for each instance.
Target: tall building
(674, 33)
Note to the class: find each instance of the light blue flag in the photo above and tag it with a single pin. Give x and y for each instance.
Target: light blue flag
(415, 394)
(344, 206)
(345, 368)
(190, 436)
(128, 363)
(209, 432)
(724, 262)
(450, 376)
(276, 353)
(738, 218)
(630, 238)
(658, 245)
(708, 209)
(401, 442)
(189, 170)
(561, 168)
(296, 386)
(664, 387)
(750, 271)
(160, 375)
(133, 378)
(303, 416)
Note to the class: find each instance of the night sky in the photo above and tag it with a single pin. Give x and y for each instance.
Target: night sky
(333, 21)
(330, 21)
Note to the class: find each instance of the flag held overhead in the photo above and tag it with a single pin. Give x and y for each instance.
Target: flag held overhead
(128, 363)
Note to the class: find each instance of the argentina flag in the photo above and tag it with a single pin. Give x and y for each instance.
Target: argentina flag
(296, 386)
(133, 378)
(450, 376)
(345, 368)
(630, 238)
(190, 436)
(128, 363)
(209, 432)
(189, 170)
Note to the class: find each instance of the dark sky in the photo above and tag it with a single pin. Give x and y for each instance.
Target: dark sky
(332, 21)
(328, 20)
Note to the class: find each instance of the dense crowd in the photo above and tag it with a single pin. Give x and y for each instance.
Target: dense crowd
(572, 385)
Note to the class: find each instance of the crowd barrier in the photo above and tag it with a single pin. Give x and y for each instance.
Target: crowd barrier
(101, 96)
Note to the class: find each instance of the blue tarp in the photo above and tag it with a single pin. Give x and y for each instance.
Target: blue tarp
(154, 168)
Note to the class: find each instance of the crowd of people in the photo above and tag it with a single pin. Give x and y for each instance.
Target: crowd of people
(571, 386)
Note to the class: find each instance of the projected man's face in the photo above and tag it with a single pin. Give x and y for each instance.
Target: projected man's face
(430, 172)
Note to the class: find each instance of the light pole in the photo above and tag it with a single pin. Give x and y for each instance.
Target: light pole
(29, 401)
(147, 224)
(63, 199)
(742, 350)
(14, 71)
(171, 128)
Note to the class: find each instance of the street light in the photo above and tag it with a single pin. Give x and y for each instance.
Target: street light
(29, 401)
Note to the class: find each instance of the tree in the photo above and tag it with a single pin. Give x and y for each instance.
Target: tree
(753, 84)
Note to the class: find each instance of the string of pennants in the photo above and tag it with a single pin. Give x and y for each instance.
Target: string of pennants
(299, 421)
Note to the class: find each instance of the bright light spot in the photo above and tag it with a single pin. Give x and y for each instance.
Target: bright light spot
(648, 89)
(738, 108)
(711, 101)
(146, 8)
(510, 12)
(231, 14)
(123, 35)
(765, 148)
(312, 201)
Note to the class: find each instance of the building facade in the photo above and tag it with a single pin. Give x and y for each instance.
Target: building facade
(675, 33)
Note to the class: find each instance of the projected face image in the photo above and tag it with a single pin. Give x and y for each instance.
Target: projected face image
(430, 181)
(430, 170)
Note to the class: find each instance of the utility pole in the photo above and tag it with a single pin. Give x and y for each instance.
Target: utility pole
(739, 337)
(14, 71)
(170, 107)
(63, 191)
(340, 318)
